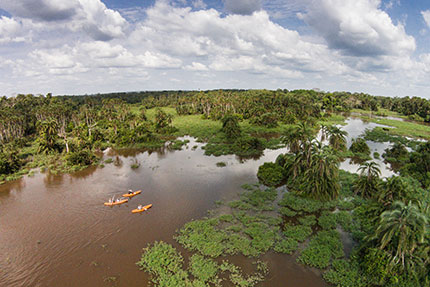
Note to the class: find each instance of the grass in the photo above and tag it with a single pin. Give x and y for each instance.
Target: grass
(299, 203)
(379, 134)
(381, 112)
(322, 249)
(309, 220)
(332, 120)
(297, 232)
(177, 144)
(166, 266)
(221, 164)
(251, 228)
(287, 246)
(404, 128)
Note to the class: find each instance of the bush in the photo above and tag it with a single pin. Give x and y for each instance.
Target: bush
(230, 126)
(345, 274)
(324, 247)
(299, 203)
(327, 220)
(81, 158)
(359, 146)
(297, 232)
(164, 263)
(248, 146)
(271, 174)
(268, 120)
(287, 246)
(309, 220)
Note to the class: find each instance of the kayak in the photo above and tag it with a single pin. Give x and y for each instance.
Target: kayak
(132, 194)
(116, 203)
(146, 207)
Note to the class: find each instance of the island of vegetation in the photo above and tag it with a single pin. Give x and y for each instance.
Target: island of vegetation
(303, 203)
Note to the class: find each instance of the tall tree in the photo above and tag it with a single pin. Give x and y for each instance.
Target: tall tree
(401, 230)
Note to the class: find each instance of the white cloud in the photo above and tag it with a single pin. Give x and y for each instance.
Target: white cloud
(426, 16)
(358, 28)
(10, 30)
(195, 66)
(100, 23)
(242, 7)
(357, 48)
(92, 16)
(234, 42)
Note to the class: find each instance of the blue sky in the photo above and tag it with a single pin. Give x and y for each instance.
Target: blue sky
(381, 47)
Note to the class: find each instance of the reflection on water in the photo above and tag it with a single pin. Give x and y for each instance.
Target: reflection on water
(356, 127)
(55, 231)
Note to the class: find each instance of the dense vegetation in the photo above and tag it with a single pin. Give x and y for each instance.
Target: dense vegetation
(387, 218)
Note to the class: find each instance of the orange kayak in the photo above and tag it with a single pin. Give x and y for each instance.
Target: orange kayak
(132, 194)
(146, 207)
(116, 203)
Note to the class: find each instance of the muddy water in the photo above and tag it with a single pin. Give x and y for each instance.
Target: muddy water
(55, 231)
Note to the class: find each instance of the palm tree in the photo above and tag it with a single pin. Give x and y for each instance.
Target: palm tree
(299, 138)
(395, 188)
(47, 134)
(401, 230)
(321, 179)
(368, 182)
(337, 138)
(371, 169)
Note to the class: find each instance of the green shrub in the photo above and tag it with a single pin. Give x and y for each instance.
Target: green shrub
(327, 220)
(285, 211)
(248, 146)
(297, 232)
(309, 220)
(271, 174)
(203, 236)
(323, 247)
(299, 203)
(345, 274)
(268, 120)
(203, 269)
(230, 126)
(287, 246)
(81, 158)
(164, 263)
(359, 146)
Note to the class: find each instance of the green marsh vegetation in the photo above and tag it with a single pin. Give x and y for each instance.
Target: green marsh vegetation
(387, 218)
(39, 131)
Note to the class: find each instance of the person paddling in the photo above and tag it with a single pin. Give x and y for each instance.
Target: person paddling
(140, 207)
(130, 191)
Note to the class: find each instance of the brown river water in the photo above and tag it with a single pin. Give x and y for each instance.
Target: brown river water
(55, 230)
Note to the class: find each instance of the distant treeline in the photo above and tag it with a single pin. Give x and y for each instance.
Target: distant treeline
(415, 107)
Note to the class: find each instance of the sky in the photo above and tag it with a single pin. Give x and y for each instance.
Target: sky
(380, 47)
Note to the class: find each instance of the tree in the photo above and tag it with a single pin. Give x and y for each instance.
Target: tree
(337, 138)
(299, 138)
(230, 126)
(394, 188)
(367, 183)
(401, 230)
(47, 135)
(162, 120)
(321, 179)
(359, 146)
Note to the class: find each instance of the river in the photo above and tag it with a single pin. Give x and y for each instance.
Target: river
(55, 230)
